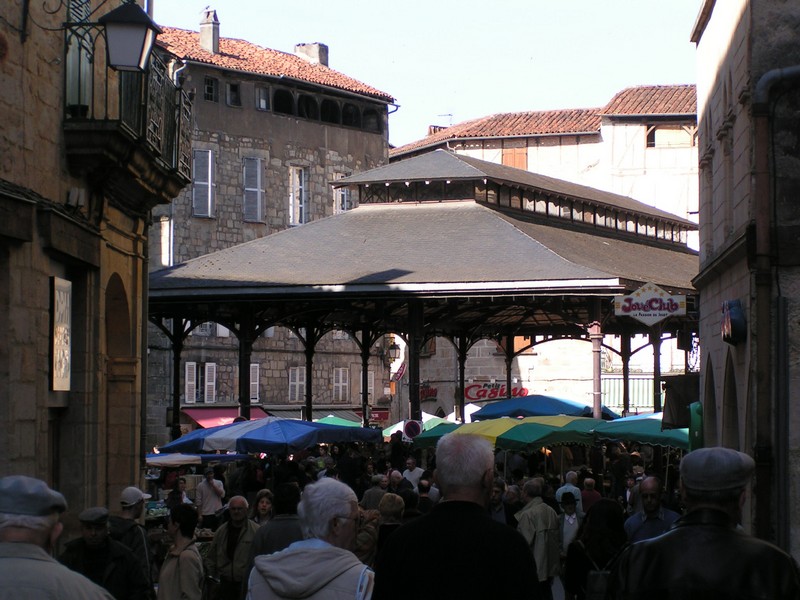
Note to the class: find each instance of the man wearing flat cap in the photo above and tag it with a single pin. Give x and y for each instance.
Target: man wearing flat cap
(706, 554)
(29, 528)
(105, 561)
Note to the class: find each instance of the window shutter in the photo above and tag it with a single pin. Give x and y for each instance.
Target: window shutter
(254, 381)
(223, 331)
(203, 183)
(211, 383)
(190, 383)
(252, 189)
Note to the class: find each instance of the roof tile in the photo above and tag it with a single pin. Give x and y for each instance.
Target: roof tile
(240, 55)
(641, 100)
(654, 100)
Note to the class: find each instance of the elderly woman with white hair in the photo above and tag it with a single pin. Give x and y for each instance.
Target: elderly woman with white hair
(322, 565)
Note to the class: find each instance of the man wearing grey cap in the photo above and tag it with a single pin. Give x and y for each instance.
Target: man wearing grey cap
(127, 529)
(105, 561)
(29, 528)
(706, 554)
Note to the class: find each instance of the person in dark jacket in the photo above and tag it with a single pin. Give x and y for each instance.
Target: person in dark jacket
(126, 529)
(707, 554)
(105, 561)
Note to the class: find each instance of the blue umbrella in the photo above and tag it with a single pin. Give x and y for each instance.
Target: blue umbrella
(272, 435)
(537, 405)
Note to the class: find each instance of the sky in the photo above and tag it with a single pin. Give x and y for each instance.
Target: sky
(448, 61)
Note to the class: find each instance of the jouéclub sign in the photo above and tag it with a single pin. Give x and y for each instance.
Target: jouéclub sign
(650, 304)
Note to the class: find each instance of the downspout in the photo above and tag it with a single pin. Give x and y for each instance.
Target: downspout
(765, 368)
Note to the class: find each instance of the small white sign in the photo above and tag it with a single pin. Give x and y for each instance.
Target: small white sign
(650, 304)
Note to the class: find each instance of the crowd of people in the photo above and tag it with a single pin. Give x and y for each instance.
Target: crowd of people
(344, 524)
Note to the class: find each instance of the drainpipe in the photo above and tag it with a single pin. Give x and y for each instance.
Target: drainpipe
(765, 368)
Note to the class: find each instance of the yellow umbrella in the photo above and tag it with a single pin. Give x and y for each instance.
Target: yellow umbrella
(488, 429)
(558, 420)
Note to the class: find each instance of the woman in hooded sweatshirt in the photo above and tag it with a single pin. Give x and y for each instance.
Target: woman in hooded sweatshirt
(321, 566)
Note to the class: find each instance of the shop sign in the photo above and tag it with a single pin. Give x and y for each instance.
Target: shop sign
(427, 392)
(492, 391)
(650, 304)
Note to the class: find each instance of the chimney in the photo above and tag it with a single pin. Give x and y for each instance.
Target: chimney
(209, 31)
(315, 53)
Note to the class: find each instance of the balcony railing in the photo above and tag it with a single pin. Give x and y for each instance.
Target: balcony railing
(140, 122)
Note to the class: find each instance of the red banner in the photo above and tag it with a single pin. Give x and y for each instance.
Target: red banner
(492, 391)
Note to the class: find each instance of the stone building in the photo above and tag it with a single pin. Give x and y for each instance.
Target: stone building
(87, 151)
(642, 144)
(271, 130)
(748, 93)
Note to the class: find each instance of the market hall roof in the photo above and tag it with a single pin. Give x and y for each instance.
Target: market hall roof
(442, 165)
(476, 265)
(246, 57)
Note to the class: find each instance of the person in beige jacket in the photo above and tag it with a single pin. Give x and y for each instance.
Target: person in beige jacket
(538, 524)
(181, 575)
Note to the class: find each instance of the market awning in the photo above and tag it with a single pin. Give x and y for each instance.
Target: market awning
(212, 416)
(318, 413)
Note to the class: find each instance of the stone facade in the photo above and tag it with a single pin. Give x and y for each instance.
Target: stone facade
(282, 142)
(73, 268)
(748, 122)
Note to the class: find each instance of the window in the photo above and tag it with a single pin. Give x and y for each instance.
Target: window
(233, 94)
(671, 136)
(339, 334)
(297, 384)
(342, 201)
(200, 382)
(255, 374)
(341, 384)
(211, 89)
(516, 157)
(262, 98)
(253, 193)
(79, 72)
(203, 183)
(370, 384)
(203, 330)
(298, 196)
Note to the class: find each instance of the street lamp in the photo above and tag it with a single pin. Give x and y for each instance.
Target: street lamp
(393, 351)
(130, 35)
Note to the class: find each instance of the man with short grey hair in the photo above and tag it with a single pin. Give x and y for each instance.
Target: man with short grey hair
(485, 559)
(229, 554)
(706, 554)
(321, 566)
(29, 528)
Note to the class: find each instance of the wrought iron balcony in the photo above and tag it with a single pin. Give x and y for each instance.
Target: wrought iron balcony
(128, 133)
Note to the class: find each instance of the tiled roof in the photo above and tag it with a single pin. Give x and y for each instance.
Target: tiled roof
(543, 122)
(240, 55)
(654, 100)
(642, 100)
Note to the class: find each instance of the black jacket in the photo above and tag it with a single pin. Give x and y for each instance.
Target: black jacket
(112, 566)
(705, 556)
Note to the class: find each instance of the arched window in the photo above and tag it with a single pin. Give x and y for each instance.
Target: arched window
(372, 121)
(307, 107)
(351, 116)
(330, 112)
(283, 102)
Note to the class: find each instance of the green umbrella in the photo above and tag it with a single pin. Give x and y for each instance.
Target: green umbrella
(428, 439)
(332, 420)
(645, 429)
(535, 435)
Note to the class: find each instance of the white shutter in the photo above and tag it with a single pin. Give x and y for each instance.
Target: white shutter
(254, 381)
(252, 189)
(203, 183)
(223, 331)
(190, 383)
(211, 383)
(370, 383)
